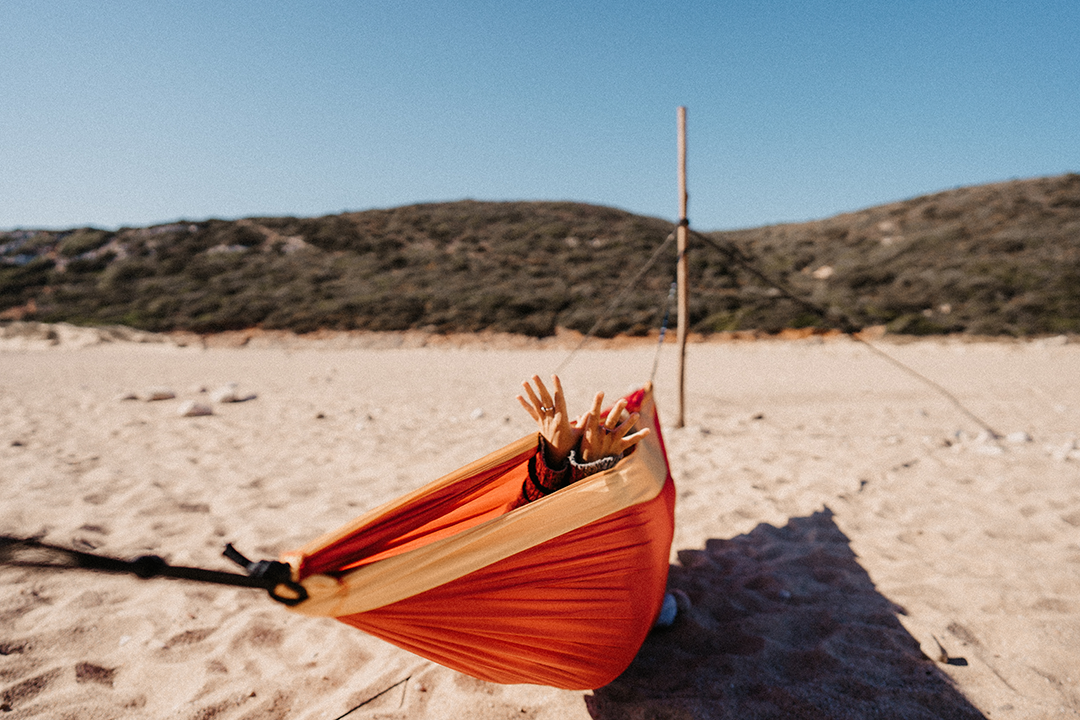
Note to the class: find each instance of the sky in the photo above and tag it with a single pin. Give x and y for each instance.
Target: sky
(118, 114)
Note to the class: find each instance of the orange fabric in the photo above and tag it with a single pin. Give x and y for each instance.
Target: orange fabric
(569, 613)
(442, 512)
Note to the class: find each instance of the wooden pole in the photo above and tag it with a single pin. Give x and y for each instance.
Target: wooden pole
(681, 237)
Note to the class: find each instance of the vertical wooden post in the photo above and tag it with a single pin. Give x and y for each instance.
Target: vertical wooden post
(681, 237)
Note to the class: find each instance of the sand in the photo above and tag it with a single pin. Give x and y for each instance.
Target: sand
(852, 547)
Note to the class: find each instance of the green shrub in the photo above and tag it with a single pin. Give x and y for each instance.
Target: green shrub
(83, 241)
(21, 282)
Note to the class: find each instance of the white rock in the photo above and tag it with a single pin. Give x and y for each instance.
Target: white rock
(194, 409)
(1018, 438)
(476, 414)
(228, 394)
(1064, 452)
(158, 393)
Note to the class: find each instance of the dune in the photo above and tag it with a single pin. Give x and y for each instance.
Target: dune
(852, 542)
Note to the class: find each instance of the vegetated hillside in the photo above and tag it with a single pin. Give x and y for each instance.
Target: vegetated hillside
(994, 259)
(1000, 259)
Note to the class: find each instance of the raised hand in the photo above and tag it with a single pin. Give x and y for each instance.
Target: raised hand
(603, 439)
(549, 412)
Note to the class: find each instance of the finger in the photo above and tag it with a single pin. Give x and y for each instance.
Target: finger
(560, 397)
(615, 414)
(626, 425)
(537, 403)
(532, 395)
(631, 440)
(544, 394)
(594, 414)
(598, 404)
(529, 409)
(590, 444)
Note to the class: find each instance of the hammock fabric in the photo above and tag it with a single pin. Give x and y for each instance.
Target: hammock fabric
(559, 592)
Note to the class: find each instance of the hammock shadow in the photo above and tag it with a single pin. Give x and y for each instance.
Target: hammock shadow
(785, 623)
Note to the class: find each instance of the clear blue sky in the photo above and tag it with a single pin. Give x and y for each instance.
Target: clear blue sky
(135, 113)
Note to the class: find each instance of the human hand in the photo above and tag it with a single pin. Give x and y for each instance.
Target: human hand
(607, 438)
(550, 415)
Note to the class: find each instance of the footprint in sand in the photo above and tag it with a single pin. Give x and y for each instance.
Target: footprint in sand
(86, 672)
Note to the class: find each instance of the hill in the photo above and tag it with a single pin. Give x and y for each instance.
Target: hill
(993, 259)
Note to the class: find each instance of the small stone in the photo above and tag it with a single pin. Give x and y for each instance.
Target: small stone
(228, 394)
(1018, 438)
(1064, 452)
(194, 409)
(476, 414)
(158, 393)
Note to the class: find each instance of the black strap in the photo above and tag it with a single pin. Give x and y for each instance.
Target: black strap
(272, 576)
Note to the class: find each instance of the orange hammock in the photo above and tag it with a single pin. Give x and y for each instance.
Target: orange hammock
(559, 592)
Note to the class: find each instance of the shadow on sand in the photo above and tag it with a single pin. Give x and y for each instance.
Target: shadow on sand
(785, 623)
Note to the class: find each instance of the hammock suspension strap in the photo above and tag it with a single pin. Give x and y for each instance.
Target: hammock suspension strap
(847, 326)
(663, 328)
(274, 577)
(614, 304)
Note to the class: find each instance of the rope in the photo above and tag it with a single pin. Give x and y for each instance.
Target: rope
(616, 302)
(994, 434)
(374, 697)
(848, 327)
(736, 256)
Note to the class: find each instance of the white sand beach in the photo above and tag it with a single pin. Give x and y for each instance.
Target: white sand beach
(853, 543)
